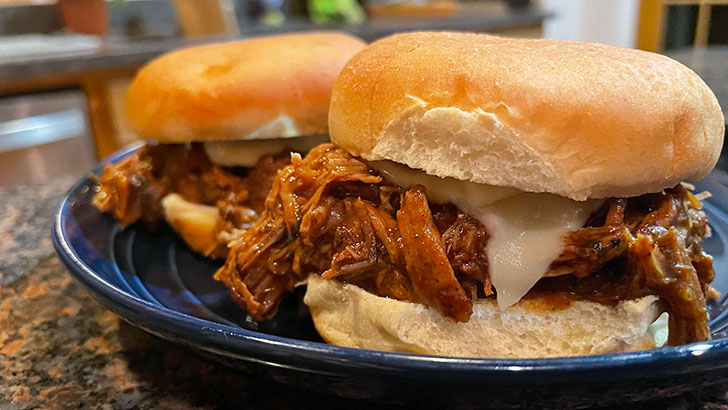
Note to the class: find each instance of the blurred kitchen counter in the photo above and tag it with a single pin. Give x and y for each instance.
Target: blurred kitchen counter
(114, 53)
(103, 66)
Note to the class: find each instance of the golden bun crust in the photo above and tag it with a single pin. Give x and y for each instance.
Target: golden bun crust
(267, 87)
(575, 119)
(350, 316)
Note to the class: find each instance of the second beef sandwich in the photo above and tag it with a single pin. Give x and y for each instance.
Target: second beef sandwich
(494, 197)
(222, 119)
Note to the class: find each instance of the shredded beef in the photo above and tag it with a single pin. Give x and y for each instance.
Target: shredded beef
(587, 249)
(425, 258)
(465, 241)
(332, 214)
(329, 213)
(260, 178)
(312, 224)
(656, 251)
(132, 190)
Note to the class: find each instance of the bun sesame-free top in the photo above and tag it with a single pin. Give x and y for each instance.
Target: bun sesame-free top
(580, 120)
(267, 87)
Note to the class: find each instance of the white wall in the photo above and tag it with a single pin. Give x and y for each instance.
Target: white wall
(602, 21)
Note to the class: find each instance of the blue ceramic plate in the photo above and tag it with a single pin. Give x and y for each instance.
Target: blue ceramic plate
(154, 281)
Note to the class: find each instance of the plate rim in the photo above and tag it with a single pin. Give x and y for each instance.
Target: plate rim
(234, 341)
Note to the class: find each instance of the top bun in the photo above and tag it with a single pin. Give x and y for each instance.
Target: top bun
(267, 87)
(575, 119)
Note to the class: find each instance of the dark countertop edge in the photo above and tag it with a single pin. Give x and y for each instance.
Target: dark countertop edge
(695, 57)
(710, 63)
(691, 50)
(132, 53)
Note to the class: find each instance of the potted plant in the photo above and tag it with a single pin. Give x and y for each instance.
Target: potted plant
(85, 16)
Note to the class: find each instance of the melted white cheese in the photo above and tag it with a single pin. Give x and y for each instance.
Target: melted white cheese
(659, 329)
(282, 126)
(468, 196)
(245, 153)
(526, 229)
(526, 235)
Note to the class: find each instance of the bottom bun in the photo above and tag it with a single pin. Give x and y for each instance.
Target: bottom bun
(195, 223)
(350, 316)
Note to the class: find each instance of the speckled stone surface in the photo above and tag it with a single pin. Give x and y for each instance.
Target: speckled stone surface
(61, 349)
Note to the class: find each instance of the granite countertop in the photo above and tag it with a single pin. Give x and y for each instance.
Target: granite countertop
(114, 52)
(61, 349)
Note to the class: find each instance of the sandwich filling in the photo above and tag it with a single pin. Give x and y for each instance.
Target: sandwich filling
(525, 229)
(333, 214)
(246, 153)
(136, 188)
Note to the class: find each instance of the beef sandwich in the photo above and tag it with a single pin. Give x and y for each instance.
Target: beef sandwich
(494, 197)
(223, 118)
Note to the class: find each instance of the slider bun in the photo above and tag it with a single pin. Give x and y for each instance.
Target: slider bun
(195, 223)
(350, 316)
(267, 87)
(575, 119)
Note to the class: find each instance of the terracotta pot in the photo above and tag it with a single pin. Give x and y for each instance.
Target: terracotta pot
(85, 16)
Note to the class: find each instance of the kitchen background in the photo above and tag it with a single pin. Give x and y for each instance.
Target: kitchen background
(65, 65)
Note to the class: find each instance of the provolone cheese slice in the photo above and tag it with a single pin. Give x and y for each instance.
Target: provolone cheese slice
(526, 236)
(282, 126)
(468, 196)
(526, 229)
(245, 153)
